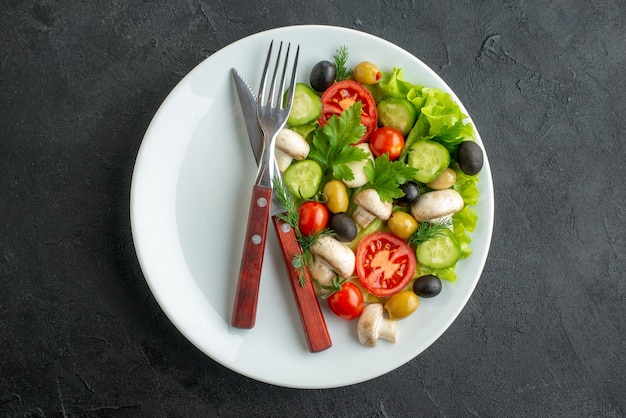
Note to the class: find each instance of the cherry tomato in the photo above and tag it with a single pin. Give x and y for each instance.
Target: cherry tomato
(343, 94)
(346, 303)
(387, 140)
(313, 217)
(384, 263)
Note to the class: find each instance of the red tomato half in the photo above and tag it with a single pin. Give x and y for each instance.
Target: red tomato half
(313, 217)
(343, 94)
(346, 303)
(387, 140)
(385, 264)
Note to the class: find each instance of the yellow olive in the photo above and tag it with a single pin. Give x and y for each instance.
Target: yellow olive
(402, 224)
(401, 305)
(366, 73)
(445, 180)
(336, 196)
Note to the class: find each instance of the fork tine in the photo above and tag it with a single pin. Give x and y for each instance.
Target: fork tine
(281, 88)
(271, 100)
(271, 95)
(272, 106)
(292, 82)
(261, 94)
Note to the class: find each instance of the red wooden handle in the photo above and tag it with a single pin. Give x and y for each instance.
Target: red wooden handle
(246, 296)
(311, 316)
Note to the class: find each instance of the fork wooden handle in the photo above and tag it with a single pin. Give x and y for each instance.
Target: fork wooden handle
(311, 316)
(247, 293)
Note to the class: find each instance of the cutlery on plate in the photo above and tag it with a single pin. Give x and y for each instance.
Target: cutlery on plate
(271, 114)
(311, 316)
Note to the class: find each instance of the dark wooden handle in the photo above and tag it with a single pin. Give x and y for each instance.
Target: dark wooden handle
(246, 296)
(311, 316)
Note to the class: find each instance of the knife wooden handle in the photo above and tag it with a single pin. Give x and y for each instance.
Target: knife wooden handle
(311, 316)
(247, 293)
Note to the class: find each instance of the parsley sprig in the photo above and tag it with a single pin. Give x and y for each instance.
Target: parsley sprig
(429, 230)
(386, 176)
(330, 145)
(291, 216)
(341, 58)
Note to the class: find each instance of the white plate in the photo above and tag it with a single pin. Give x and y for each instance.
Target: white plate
(189, 200)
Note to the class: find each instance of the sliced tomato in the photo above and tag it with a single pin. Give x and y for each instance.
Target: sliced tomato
(343, 94)
(385, 264)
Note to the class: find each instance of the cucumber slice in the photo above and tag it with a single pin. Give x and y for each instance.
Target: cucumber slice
(397, 113)
(303, 178)
(429, 158)
(439, 252)
(306, 107)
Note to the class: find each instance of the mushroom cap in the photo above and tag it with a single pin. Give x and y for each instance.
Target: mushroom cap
(337, 255)
(369, 199)
(437, 204)
(293, 144)
(367, 326)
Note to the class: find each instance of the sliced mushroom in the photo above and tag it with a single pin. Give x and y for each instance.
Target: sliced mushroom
(321, 272)
(437, 204)
(335, 255)
(290, 145)
(283, 160)
(369, 207)
(358, 169)
(372, 325)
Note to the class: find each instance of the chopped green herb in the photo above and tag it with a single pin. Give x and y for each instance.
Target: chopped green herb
(341, 58)
(429, 230)
(304, 259)
(330, 145)
(386, 177)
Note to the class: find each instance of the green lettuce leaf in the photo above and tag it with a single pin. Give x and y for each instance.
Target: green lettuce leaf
(393, 85)
(440, 119)
(466, 186)
(464, 223)
(440, 111)
(448, 274)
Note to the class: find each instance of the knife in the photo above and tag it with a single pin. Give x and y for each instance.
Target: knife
(313, 323)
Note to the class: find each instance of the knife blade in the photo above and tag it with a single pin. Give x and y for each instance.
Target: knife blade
(309, 311)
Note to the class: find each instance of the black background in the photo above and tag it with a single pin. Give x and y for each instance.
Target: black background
(543, 334)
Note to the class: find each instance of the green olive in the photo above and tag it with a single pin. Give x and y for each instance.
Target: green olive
(366, 73)
(445, 180)
(402, 224)
(401, 305)
(336, 196)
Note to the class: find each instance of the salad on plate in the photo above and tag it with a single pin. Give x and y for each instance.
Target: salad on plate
(378, 178)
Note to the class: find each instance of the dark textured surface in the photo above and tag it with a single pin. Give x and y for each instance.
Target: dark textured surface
(543, 334)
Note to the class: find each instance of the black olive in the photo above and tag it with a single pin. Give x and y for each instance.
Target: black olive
(427, 286)
(470, 157)
(323, 75)
(411, 193)
(344, 227)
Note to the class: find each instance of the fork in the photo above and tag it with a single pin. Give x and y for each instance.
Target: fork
(272, 113)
